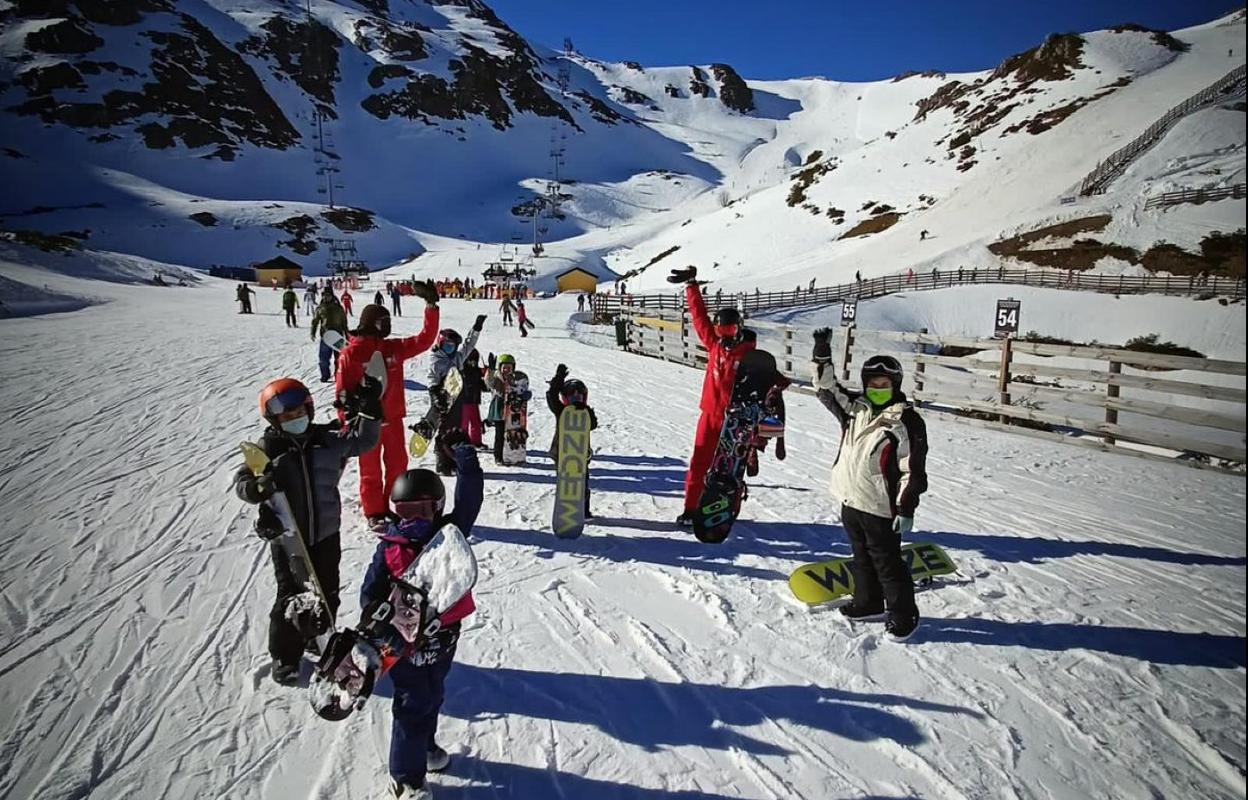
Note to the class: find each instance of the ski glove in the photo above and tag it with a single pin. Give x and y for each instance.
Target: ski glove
(268, 525)
(427, 291)
(683, 275)
(480, 323)
(903, 525)
(265, 486)
(370, 398)
(490, 362)
(823, 346)
(561, 374)
(423, 429)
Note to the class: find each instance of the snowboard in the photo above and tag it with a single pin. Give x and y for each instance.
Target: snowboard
(431, 423)
(725, 479)
(516, 420)
(572, 472)
(354, 659)
(826, 581)
(334, 340)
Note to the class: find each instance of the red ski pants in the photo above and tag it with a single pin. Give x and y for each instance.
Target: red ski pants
(390, 451)
(704, 444)
(470, 422)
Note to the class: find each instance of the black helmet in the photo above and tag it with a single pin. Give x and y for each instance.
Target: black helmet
(449, 335)
(886, 366)
(419, 494)
(728, 316)
(574, 391)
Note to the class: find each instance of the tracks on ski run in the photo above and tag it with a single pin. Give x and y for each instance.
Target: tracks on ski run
(1088, 651)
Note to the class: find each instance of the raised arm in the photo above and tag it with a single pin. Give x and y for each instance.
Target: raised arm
(835, 397)
(697, 313)
(413, 346)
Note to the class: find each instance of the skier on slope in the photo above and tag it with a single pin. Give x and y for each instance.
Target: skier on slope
(347, 300)
(879, 473)
(306, 464)
(420, 677)
(561, 394)
(449, 352)
(507, 308)
(725, 345)
(309, 299)
(370, 336)
(329, 316)
(290, 302)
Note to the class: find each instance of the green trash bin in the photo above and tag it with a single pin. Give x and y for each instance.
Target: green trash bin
(621, 332)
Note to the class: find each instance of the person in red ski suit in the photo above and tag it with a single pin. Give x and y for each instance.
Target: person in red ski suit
(725, 346)
(369, 337)
(346, 302)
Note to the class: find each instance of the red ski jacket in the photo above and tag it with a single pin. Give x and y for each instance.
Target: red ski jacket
(355, 357)
(721, 365)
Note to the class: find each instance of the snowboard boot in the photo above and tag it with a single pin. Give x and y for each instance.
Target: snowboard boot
(685, 520)
(285, 674)
(751, 463)
(900, 627)
(437, 759)
(851, 611)
(403, 791)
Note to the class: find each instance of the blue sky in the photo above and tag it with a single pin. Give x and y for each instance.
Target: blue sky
(849, 41)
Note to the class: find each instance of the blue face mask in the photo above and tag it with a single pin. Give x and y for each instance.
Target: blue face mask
(297, 426)
(449, 348)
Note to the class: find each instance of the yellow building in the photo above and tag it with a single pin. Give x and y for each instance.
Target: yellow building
(281, 269)
(576, 280)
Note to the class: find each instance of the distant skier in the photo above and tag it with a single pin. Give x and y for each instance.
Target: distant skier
(347, 300)
(290, 302)
(396, 301)
(379, 299)
(370, 336)
(309, 300)
(420, 677)
(508, 308)
(580, 302)
(329, 316)
(522, 318)
(306, 464)
(561, 394)
(243, 295)
(878, 475)
(725, 345)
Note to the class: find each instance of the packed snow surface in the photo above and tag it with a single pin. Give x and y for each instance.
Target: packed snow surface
(1091, 646)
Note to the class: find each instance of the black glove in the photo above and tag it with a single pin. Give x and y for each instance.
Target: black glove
(561, 374)
(268, 525)
(684, 275)
(480, 323)
(427, 291)
(265, 486)
(822, 353)
(423, 429)
(491, 362)
(453, 438)
(369, 398)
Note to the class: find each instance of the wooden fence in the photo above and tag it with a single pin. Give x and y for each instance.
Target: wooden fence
(1102, 397)
(1113, 166)
(609, 305)
(1199, 195)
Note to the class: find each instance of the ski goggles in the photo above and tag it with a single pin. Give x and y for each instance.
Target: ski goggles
(290, 400)
(418, 509)
(287, 416)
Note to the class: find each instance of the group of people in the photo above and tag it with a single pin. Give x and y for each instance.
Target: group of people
(878, 476)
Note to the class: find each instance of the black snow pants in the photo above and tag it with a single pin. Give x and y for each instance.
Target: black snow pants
(285, 641)
(881, 579)
(291, 320)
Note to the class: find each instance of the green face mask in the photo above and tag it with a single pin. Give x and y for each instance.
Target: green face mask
(879, 397)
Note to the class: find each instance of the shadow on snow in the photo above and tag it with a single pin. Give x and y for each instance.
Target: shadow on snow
(1035, 550)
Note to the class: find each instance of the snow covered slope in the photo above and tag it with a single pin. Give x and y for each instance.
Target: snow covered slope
(188, 132)
(1093, 645)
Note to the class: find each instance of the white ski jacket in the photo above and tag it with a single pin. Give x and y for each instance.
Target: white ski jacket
(440, 363)
(881, 467)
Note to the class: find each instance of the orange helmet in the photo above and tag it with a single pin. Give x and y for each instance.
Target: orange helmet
(283, 395)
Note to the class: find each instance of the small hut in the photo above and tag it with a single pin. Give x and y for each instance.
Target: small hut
(280, 268)
(576, 280)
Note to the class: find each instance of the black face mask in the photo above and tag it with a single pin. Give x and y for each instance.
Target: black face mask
(382, 327)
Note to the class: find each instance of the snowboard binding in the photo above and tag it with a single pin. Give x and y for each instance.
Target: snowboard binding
(344, 676)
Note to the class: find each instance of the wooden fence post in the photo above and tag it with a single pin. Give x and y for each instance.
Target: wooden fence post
(1111, 391)
(1003, 380)
(788, 350)
(847, 354)
(920, 368)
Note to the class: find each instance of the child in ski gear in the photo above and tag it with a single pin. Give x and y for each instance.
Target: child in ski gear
(500, 377)
(507, 307)
(370, 336)
(419, 676)
(347, 300)
(467, 407)
(290, 302)
(329, 316)
(449, 352)
(309, 300)
(522, 318)
(562, 393)
(306, 464)
(725, 345)
(878, 475)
